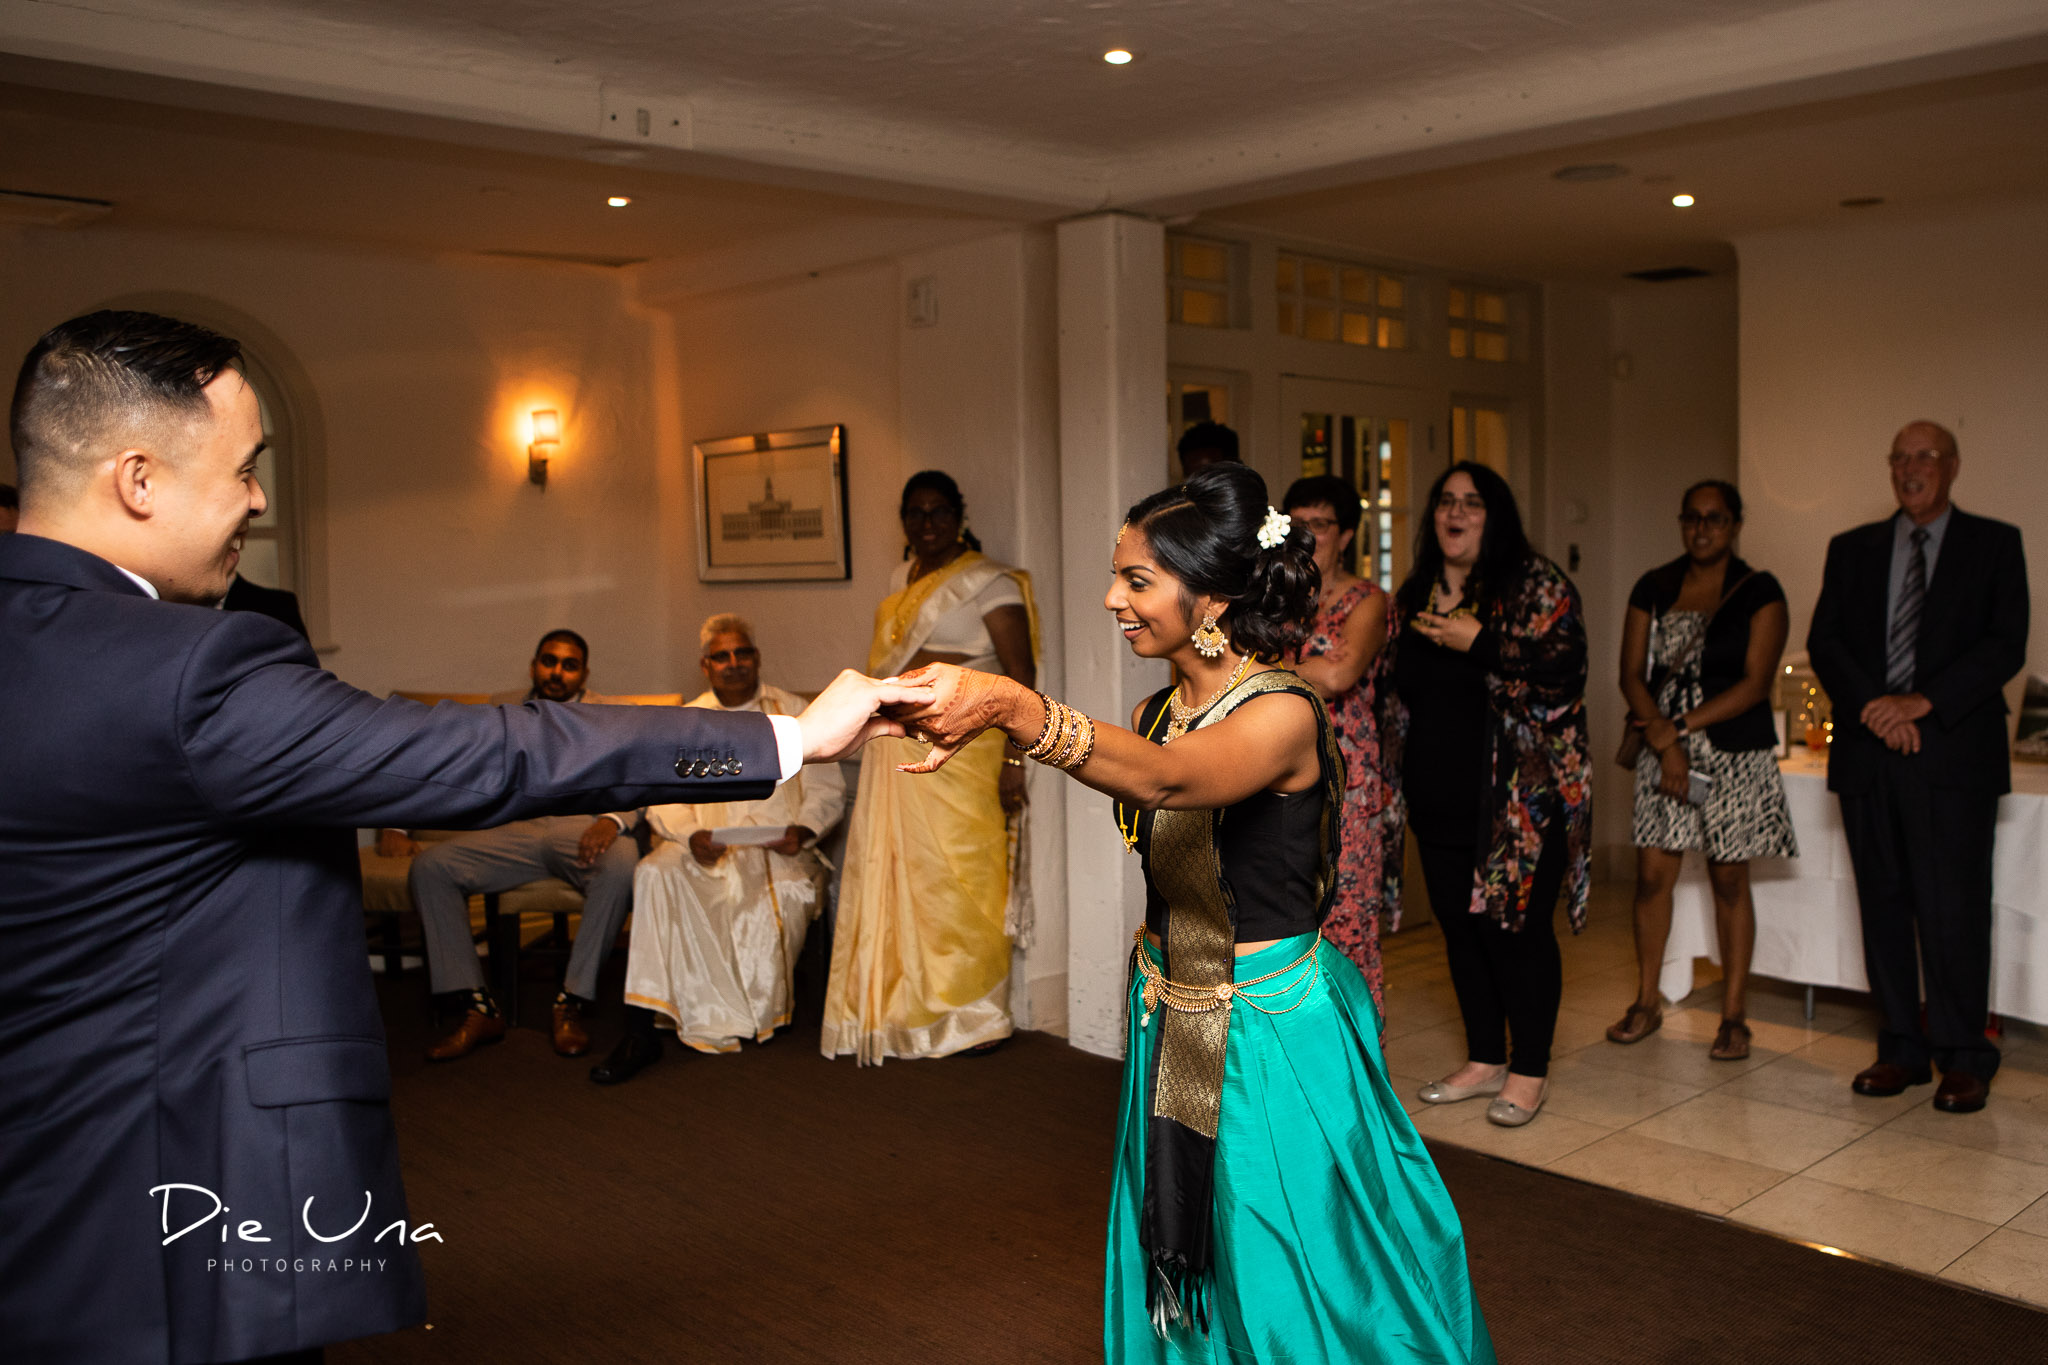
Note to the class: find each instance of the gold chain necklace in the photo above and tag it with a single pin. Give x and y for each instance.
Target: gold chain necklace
(1183, 715)
(1465, 606)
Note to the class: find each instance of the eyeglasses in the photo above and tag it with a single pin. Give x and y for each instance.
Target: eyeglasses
(1471, 502)
(1713, 521)
(1315, 526)
(1900, 459)
(745, 654)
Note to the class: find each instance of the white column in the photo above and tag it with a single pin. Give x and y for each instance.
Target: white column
(1113, 438)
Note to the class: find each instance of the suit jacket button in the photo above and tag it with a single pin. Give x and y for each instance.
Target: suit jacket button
(682, 767)
(737, 767)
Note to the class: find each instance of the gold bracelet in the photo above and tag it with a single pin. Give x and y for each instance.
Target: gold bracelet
(1087, 745)
(1050, 734)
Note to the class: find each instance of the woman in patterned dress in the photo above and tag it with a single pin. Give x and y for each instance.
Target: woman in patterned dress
(1702, 642)
(1337, 658)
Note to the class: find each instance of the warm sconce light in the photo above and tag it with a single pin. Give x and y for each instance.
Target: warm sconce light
(547, 438)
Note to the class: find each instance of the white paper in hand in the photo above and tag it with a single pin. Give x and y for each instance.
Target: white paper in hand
(749, 836)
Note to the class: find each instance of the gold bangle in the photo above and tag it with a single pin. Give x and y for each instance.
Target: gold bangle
(1087, 745)
(1049, 735)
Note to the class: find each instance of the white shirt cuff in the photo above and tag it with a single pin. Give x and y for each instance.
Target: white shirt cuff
(789, 745)
(616, 819)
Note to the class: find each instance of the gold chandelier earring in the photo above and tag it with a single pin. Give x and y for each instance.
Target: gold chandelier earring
(1210, 642)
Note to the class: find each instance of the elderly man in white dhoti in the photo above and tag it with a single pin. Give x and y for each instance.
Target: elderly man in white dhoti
(719, 915)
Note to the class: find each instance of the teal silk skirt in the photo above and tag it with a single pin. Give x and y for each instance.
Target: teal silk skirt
(1334, 1239)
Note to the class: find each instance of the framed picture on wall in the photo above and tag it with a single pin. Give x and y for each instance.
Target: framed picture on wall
(772, 507)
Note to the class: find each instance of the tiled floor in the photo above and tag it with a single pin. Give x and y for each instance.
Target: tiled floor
(1777, 1141)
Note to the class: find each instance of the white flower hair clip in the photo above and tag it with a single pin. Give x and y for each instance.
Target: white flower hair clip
(1275, 528)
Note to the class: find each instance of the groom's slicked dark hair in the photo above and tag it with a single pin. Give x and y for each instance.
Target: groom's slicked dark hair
(94, 384)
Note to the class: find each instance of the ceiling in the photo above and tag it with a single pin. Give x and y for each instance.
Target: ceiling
(1915, 149)
(1419, 130)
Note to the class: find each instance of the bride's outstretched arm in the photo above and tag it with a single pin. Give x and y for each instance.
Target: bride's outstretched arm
(1268, 743)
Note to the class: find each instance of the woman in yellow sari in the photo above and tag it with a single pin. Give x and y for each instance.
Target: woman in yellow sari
(920, 952)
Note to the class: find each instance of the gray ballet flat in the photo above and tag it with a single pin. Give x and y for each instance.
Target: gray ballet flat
(1508, 1114)
(1443, 1092)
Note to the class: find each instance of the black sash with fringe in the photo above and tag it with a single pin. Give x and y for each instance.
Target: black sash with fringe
(1183, 867)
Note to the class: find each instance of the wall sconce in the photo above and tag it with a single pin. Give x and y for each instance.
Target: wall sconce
(547, 439)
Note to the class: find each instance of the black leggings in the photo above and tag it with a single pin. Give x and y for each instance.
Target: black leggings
(1508, 983)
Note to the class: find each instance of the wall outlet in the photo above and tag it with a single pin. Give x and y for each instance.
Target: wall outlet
(655, 120)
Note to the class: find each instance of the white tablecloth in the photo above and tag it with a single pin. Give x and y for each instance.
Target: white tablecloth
(1807, 928)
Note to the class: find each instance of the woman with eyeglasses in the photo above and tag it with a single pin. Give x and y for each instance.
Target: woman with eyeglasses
(1698, 653)
(1336, 658)
(1483, 737)
(921, 946)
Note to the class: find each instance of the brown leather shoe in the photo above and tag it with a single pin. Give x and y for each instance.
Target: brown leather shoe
(1960, 1093)
(475, 1030)
(571, 1038)
(1885, 1078)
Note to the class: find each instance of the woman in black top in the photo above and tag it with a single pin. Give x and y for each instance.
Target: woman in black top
(1484, 744)
(1701, 644)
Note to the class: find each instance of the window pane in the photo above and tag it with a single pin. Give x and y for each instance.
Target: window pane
(1459, 347)
(1393, 334)
(1461, 433)
(1284, 275)
(1204, 261)
(1200, 308)
(1489, 346)
(1357, 286)
(1358, 329)
(1287, 317)
(1315, 444)
(1390, 292)
(1488, 307)
(1490, 439)
(1319, 323)
(1457, 303)
(1317, 280)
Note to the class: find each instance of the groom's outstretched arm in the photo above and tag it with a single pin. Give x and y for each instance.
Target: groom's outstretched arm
(271, 739)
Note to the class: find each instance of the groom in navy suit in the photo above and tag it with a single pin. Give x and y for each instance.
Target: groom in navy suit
(197, 1159)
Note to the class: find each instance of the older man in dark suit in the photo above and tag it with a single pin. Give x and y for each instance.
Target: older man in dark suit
(1922, 620)
(197, 1160)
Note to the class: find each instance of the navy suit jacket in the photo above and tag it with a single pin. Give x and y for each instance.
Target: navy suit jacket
(1973, 638)
(275, 603)
(185, 996)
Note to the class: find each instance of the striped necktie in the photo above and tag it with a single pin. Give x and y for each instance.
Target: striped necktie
(1904, 641)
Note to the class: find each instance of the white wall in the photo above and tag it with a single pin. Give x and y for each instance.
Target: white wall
(1848, 333)
(442, 565)
(1640, 403)
(974, 395)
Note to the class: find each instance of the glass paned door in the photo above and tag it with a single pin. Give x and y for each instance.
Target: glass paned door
(1370, 437)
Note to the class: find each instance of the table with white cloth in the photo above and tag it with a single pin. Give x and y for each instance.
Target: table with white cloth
(1807, 928)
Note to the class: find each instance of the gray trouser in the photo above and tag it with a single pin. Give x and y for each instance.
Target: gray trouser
(445, 875)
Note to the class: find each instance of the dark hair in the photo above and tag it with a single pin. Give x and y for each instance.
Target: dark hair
(940, 482)
(1205, 532)
(1326, 490)
(8, 497)
(101, 377)
(569, 636)
(1208, 435)
(1504, 549)
(1731, 496)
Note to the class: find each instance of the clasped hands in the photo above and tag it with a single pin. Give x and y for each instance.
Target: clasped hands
(1893, 719)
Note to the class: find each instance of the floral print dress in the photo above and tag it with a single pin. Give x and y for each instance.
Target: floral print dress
(1354, 921)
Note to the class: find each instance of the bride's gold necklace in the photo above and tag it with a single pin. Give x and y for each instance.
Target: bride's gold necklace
(1181, 715)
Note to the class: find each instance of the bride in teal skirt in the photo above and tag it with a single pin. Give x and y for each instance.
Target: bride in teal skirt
(1271, 1200)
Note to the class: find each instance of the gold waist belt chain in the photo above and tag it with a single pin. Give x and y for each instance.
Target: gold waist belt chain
(1160, 990)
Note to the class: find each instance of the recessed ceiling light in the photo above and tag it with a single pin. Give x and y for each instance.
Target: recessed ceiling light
(619, 201)
(1117, 56)
(1681, 201)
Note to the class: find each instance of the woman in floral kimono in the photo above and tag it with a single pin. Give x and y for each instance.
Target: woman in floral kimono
(921, 949)
(1483, 734)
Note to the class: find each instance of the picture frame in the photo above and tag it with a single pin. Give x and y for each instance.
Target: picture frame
(771, 507)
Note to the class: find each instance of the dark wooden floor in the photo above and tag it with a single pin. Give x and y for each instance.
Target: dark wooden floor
(771, 1206)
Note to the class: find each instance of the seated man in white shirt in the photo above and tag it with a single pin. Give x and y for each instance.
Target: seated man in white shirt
(717, 927)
